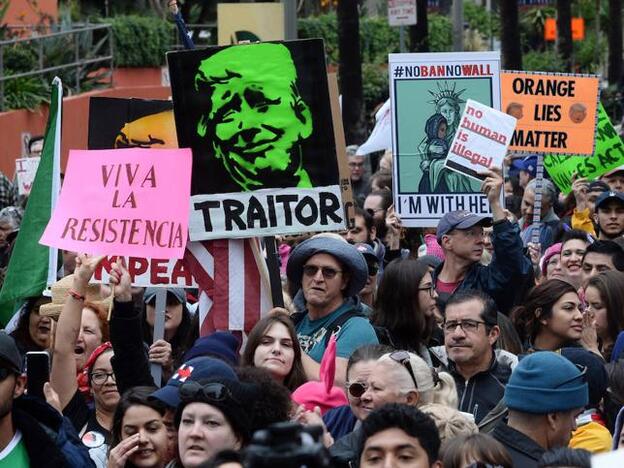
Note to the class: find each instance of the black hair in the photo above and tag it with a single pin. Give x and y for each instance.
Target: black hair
(610, 248)
(135, 396)
(369, 222)
(386, 197)
(222, 457)
(410, 420)
(21, 334)
(489, 313)
(34, 140)
(576, 234)
(565, 456)
(368, 352)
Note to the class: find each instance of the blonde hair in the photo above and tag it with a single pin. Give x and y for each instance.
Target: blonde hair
(450, 422)
(433, 387)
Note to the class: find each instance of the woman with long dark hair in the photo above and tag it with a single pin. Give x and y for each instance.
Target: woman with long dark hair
(405, 308)
(550, 318)
(272, 344)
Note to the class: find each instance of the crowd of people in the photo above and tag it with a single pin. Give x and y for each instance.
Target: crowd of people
(463, 345)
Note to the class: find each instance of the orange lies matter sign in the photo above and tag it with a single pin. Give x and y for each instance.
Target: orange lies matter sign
(556, 113)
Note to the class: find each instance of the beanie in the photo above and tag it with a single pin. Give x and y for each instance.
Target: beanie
(551, 251)
(596, 375)
(221, 344)
(545, 382)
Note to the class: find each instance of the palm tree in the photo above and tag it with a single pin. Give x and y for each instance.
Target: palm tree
(564, 32)
(419, 33)
(350, 71)
(510, 35)
(614, 37)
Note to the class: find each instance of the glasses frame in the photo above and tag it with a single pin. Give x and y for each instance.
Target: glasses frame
(459, 323)
(403, 358)
(327, 272)
(194, 391)
(350, 385)
(431, 289)
(109, 375)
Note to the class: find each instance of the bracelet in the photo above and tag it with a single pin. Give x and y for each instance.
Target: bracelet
(75, 295)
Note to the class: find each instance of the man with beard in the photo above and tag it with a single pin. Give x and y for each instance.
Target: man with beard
(32, 433)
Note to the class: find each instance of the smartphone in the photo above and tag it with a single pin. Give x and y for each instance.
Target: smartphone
(37, 372)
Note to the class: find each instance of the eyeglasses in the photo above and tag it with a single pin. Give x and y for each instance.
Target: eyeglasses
(373, 268)
(193, 391)
(466, 325)
(356, 389)
(312, 270)
(431, 290)
(99, 378)
(403, 358)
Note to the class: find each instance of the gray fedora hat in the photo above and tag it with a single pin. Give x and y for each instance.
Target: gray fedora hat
(346, 253)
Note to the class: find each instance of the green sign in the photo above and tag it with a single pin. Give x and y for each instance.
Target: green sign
(609, 154)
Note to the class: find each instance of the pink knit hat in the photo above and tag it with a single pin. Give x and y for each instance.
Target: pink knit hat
(322, 394)
(551, 251)
(433, 248)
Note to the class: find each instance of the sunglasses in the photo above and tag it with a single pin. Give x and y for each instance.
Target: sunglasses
(403, 358)
(312, 270)
(357, 389)
(194, 391)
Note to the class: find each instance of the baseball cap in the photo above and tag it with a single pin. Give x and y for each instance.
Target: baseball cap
(528, 164)
(607, 196)
(193, 370)
(460, 220)
(9, 354)
(367, 251)
(178, 293)
(613, 171)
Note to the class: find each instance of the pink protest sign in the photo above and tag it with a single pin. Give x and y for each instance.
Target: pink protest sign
(124, 202)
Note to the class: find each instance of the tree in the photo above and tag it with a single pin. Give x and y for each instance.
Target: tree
(419, 33)
(510, 35)
(350, 71)
(614, 36)
(564, 32)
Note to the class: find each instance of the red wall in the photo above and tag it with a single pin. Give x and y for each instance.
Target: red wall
(28, 12)
(75, 117)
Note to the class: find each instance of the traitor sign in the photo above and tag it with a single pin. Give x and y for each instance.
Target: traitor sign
(481, 140)
(557, 113)
(123, 202)
(609, 155)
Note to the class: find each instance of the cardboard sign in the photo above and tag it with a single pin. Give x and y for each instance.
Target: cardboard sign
(401, 12)
(577, 25)
(131, 123)
(146, 272)
(557, 113)
(427, 90)
(251, 22)
(123, 202)
(25, 171)
(609, 155)
(481, 140)
(259, 122)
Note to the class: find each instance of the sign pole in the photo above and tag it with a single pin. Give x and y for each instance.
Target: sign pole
(159, 331)
(537, 206)
(274, 272)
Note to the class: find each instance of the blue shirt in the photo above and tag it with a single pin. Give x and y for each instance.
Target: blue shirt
(356, 332)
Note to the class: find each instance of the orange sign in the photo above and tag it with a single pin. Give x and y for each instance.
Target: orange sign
(556, 112)
(577, 25)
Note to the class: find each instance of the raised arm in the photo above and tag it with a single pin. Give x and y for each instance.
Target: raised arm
(63, 373)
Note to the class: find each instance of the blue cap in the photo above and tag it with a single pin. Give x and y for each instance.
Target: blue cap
(607, 196)
(527, 164)
(178, 293)
(545, 382)
(219, 344)
(460, 220)
(193, 370)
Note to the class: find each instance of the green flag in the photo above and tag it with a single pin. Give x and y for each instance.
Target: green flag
(32, 265)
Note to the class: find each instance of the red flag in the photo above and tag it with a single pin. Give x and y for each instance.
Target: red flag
(233, 293)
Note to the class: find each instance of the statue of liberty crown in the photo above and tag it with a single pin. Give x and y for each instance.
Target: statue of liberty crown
(446, 90)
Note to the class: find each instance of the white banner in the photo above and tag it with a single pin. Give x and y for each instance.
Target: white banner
(145, 272)
(25, 171)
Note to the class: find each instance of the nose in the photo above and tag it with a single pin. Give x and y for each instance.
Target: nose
(366, 396)
(248, 134)
(196, 431)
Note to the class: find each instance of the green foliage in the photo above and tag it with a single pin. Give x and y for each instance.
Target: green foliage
(611, 99)
(478, 18)
(440, 33)
(548, 61)
(26, 93)
(323, 26)
(374, 84)
(140, 41)
(377, 40)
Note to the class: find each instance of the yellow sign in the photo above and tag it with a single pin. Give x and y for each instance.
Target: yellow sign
(250, 22)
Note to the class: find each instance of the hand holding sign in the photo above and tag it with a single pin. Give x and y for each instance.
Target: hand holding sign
(580, 188)
(120, 279)
(492, 187)
(85, 266)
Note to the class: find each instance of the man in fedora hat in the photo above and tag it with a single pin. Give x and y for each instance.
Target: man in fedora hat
(330, 272)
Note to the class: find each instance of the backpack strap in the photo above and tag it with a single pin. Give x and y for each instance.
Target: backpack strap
(297, 317)
(338, 322)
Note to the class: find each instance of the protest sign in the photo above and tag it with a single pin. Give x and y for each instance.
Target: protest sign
(609, 154)
(557, 113)
(145, 272)
(401, 12)
(25, 171)
(123, 202)
(481, 140)
(131, 123)
(259, 122)
(252, 22)
(428, 92)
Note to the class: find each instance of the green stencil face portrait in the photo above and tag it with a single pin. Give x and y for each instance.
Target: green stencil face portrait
(421, 156)
(257, 119)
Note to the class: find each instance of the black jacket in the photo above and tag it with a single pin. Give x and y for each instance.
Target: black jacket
(524, 451)
(50, 440)
(482, 392)
(345, 451)
(130, 361)
(507, 277)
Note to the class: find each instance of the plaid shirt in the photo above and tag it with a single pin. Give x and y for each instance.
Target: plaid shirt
(7, 192)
